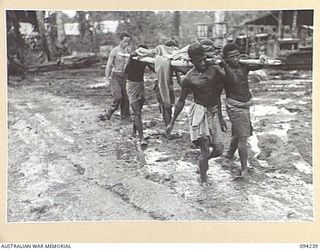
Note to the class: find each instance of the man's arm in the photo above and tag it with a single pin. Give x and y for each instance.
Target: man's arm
(220, 72)
(223, 123)
(263, 61)
(229, 75)
(178, 77)
(179, 105)
(254, 67)
(151, 66)
(109, 65)
(129, 61)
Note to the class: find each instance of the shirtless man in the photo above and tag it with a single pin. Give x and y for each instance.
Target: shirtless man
(135, 88)
(116, 77)
(238, 102)
(205, 117)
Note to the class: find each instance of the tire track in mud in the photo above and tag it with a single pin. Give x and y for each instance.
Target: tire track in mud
(51, 176)
(64, 165)
(103, 166)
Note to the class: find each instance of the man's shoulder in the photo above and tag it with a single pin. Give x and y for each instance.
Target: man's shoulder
(188, 75)
(113, 52)
(115, 49)
(240, 67)
(187, 79)
(214, 67)
(243, 65)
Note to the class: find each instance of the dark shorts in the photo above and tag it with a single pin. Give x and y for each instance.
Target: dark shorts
(240, 120)
(135, 91)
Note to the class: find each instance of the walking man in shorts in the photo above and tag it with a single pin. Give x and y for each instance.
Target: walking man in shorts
(135, 89)
(205, 117)
(238, 102)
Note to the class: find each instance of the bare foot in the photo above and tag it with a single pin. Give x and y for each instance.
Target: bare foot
(203, 179)
(226, 162)
(143, 142)
(206, 184)
(102, 117)
(134, 135)
(105, 116)
(214, 153)
(243, 174)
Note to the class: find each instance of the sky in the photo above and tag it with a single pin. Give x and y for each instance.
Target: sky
(70, 13)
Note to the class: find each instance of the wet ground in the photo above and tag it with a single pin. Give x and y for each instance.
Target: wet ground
(66, 165)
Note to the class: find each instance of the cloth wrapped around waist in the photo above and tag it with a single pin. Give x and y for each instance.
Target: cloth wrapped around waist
(198, 113)
(135, 91)
(239, 114)
(204, 122)
(234, 103)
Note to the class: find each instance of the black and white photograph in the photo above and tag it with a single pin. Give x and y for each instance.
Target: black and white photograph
(130, 116)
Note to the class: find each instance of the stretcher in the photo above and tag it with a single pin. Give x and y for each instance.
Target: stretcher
(184, 63)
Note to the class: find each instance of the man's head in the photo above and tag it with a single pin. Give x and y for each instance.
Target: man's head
(143, 46)
(125, 40)
(171, 43)
(231, 53)
(197, 57)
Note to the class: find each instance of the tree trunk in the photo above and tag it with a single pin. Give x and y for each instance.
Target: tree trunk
(44, 42)
(294, 23)
(280, 34)
(93, 19)
(60, 29)
(82, 23)
(176, 26)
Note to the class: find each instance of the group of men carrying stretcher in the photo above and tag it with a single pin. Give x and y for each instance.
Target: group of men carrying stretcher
(211, 73)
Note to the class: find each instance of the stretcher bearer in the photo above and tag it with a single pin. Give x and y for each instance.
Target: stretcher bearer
(238, 102)
(135, 89)
(116, 78)
(205, 117)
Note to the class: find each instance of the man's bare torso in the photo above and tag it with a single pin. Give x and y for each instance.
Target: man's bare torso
(119, 62)
(206, 87)
(238, 89)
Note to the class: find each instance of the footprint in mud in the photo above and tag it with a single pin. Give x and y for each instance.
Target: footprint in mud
(157, 135)
(238, 176)
(41, 207)
(79, 169)
(174, 136)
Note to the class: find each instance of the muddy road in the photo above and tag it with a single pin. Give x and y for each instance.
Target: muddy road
(66, 165)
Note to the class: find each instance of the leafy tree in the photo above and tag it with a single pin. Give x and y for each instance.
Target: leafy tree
(16, 44)
(146, 27)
